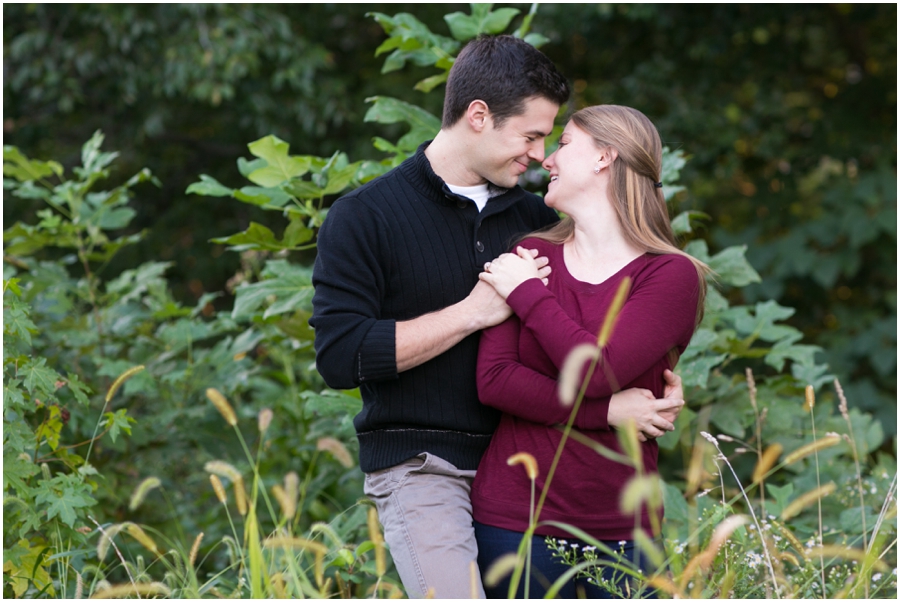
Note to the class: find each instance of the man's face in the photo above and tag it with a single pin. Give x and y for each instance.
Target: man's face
(503, 154)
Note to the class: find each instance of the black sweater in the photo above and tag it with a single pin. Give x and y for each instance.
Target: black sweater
(401, 246)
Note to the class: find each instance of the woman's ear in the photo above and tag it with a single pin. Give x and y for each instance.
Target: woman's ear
(607, 156)
(477, 115)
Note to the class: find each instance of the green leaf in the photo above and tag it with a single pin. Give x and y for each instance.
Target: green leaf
(732, 267)
(781, 495)
(262, 196)
(423, 125)
(38, 377)
(331, 403)
(18, 166)
(62, 498)
(118, 421)
(695, 372)
(280, 166)
(290, 285)
(535, 39)
(16, 471)
(208, 186)
(305, 190)
(259, 237)
(16, 323)
(681, 224)
(430, 83)
(248, 167)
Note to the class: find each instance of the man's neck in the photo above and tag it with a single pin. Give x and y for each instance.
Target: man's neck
(446, 154)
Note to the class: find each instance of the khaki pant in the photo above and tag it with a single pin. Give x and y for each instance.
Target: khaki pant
(424, 507)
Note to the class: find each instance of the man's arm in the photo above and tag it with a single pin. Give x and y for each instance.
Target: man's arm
(423, 338)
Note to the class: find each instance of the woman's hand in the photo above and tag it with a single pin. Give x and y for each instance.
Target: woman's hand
(509, 271)
(653, 417)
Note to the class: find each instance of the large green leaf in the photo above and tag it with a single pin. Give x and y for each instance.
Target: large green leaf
(423, 125)
(482, 20)
(280, 167)
(289, 287)
(732, 267)
(208, 186)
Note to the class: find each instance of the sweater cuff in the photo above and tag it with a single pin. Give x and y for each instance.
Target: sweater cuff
(526, 296)
(594, 416)
(377, 356)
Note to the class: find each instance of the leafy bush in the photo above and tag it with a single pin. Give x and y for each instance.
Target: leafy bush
(110, 437)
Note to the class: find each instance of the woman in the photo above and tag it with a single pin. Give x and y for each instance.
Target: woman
(605, 177)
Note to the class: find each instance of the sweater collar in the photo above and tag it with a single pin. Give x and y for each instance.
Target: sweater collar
(419, 171)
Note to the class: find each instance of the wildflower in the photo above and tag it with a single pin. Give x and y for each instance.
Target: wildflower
(593, 549)
(574, 545)
(876, 577)
(621, 543)
(725, 438)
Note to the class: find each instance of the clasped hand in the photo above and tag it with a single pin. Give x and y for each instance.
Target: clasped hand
(510, 270)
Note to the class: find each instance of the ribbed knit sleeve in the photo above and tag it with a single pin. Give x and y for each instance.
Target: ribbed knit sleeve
(352, 344)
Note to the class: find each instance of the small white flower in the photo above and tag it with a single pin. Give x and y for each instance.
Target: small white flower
(876, 577)
(622, 542)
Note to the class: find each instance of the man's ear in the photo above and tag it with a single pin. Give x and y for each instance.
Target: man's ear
(477, 115)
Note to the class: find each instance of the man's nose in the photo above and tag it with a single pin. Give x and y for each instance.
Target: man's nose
(536, 152)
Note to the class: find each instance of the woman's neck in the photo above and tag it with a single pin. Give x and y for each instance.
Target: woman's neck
(598, 248)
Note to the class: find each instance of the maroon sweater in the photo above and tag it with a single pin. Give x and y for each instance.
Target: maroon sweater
(518, 366)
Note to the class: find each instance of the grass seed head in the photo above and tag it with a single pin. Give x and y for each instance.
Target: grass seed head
(137, 498)
(121, 379)
(265, 419)
(218, 488)
(570, 375)
(140, 590)
(192, 558)
(766, 462)
(337, 449)
(222, 405)
(531, 465)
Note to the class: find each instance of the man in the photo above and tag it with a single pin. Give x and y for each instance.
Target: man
(398, 304)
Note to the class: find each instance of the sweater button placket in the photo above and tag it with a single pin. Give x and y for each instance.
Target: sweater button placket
(479, 246)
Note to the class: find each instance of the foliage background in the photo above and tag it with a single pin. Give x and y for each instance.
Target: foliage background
(787, 116)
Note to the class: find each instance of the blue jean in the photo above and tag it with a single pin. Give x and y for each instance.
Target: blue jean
(494, 542)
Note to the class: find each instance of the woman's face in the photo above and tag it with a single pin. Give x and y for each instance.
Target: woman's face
(571, 168)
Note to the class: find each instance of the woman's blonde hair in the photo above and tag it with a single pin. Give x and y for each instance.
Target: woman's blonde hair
(639, 203)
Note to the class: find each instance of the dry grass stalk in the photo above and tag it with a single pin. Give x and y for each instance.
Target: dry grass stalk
(79, 586)
(121, 379)
(612, 314)
(240, 496)
(766, 462)
(845, 413)
(337, 449)
(264, 419)
(319, 550)
(502, 567)
(106, 538)
(218, 488)
(797, 506)
(377, 540)
(531, 466)
(830, 440)
(570, 375)
(137, 498)
(704, 559)
(222, 405)
(141, 536)
(133, 589)
(832, 551)
(192, 558)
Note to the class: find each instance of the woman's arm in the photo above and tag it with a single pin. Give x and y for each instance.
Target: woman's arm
(658, 315)
(505, 383)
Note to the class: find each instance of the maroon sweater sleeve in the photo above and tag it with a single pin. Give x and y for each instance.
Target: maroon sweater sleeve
(505, 383)
(658, 315)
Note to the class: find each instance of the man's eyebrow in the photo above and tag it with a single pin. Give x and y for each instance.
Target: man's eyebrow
(537, 134)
